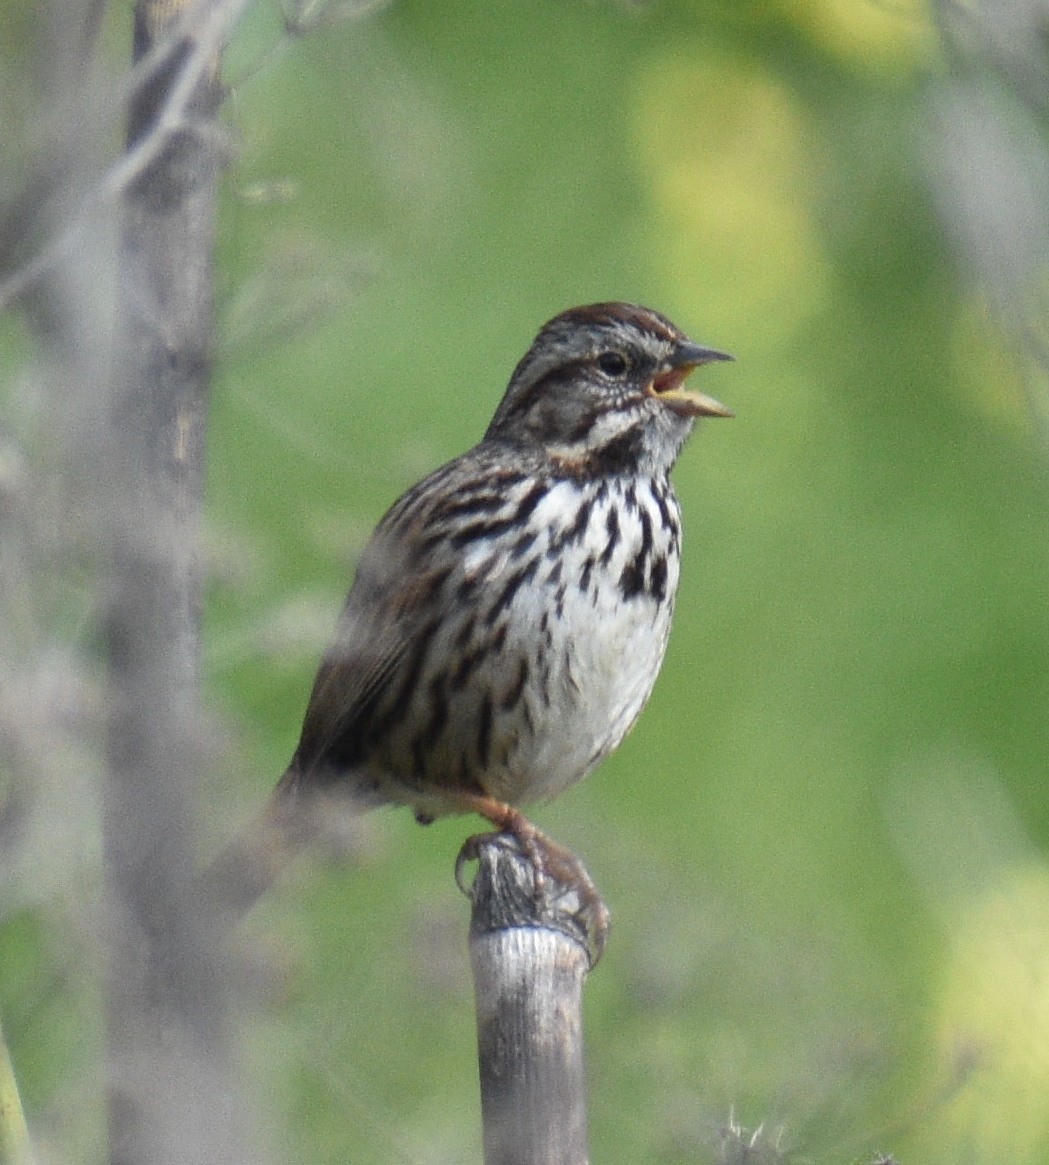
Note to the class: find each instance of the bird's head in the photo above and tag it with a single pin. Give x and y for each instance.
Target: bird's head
(603, 387)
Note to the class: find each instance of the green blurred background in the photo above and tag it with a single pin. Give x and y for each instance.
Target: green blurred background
(823, 846)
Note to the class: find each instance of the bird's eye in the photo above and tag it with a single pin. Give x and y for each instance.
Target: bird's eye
(612, 363)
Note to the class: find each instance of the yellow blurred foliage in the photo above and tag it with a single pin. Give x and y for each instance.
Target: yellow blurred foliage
(993, 1028)
(983, 1091)
(726, 156)
(988, 368)
(883, 36)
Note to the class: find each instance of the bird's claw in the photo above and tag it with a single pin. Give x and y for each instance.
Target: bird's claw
(561, 884)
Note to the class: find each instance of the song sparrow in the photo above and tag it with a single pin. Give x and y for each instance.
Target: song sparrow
(510, 613)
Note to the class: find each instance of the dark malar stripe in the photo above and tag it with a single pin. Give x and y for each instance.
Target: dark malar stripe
(618, 456)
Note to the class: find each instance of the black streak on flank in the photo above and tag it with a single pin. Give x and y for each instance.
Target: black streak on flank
(514, 694)
(527, 505)
(544, 683)
(513, 584)
(644, 517)
(584, 578)
(466, 632)
(612, 529)
(467, 665)
(632, 580)
(486, 528)
(660, 495)
(430, 587)
(465, 590)
(473, 506)
(523, 544)
(484, 732)
(657, 582)
(399, 706)
(578, 526)
(429, 736)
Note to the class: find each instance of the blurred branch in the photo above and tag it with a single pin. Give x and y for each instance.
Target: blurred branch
(170, 1091)
(987, 152)
(187, 49)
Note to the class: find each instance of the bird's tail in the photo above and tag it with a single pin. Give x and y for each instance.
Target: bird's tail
(257, 857)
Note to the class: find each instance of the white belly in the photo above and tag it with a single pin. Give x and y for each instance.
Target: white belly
(593, 648)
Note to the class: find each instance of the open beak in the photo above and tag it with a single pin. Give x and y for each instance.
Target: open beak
(669, 386)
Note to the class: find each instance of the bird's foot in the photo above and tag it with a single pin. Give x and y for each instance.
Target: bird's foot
(560, 882)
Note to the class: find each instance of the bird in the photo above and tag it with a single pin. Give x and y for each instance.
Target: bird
(511, 611)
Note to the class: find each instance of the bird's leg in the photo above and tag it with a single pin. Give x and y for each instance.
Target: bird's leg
(549, 861)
